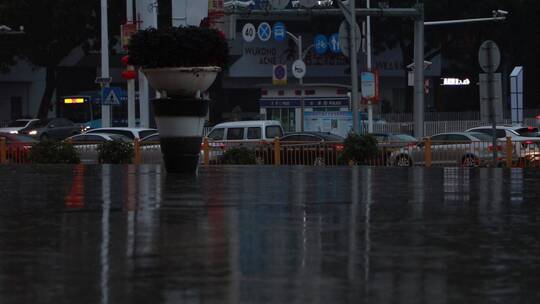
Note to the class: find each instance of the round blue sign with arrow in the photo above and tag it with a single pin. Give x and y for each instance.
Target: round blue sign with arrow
(321, 44)
(333, 43)
(280, 32)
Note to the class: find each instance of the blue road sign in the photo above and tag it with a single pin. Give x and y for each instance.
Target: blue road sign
(111, 96)
(333, 43)
(280, 32)
(264, 31)
(321, 44)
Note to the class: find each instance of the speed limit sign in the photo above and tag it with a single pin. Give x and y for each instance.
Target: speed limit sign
(249, 32)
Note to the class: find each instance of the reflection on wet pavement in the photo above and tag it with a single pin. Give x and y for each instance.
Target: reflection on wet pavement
(126, 234)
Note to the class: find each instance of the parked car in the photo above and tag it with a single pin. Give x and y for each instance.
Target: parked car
(87, 144)
(466, 149)
(51, 128)
(96, 138)
(18, 146)
(526, 137)
(153, 138)
(241, 133)
(310, 148)
(130, 133)
(17, 125)
(151, 149)
(389, 143)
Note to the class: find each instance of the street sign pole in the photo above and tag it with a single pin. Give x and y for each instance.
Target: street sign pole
(419, 73)
(491, 90)
(301, 82)
(105, 109)
(489, 58)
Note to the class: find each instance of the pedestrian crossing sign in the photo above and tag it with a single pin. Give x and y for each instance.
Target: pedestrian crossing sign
(109, 96)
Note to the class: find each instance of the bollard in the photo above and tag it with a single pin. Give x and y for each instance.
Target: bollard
(3, 148)
(137, 151)
(427, 152)
(206, 151)
(277, 152)
(509, 151)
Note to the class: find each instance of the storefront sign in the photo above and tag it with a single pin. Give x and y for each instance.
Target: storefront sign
(455, 82)
(309, 103)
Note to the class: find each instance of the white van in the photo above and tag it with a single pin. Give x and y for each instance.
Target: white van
(248, 131)
(240, 133)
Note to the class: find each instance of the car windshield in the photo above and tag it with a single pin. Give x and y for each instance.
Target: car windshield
(527, 132)
(18, 123)
(117, 137)
(403, 137)
(480, 136)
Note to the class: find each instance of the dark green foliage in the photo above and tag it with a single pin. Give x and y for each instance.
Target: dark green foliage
(115, 152)
(54, 152)
(239, 156)
(178, 47)
(359, 148)
(53, 28)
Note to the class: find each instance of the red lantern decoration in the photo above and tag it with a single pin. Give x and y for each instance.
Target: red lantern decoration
(129, 74)
(125, 60)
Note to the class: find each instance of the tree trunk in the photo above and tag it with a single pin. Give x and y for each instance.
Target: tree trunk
(50, 87)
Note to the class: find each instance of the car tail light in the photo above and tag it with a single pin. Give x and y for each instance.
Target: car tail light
(339, 147)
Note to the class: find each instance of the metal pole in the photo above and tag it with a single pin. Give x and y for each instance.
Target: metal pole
(368, 42)
(491, 91)
(105, 109)
(445, 22)
(419, 73)
(301, 81)
(130, 82)
(354, 68)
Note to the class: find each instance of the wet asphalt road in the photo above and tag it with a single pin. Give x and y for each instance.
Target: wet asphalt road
(124, 234)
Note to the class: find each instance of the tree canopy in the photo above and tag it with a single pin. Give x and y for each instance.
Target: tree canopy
(53, 28)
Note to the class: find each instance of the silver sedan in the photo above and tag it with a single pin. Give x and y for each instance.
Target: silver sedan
(466, 149)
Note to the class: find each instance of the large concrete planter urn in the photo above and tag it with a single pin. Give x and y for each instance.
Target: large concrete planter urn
(179, 62)
(181, 81)
(180, 114)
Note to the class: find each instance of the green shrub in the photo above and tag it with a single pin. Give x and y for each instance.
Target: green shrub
(115, 152)
(239, 156)
(54, 152)
(359, 149)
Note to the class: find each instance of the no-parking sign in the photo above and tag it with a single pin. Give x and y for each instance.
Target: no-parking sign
(279, 74)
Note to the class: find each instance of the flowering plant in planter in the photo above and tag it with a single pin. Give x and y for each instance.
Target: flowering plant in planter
(179, 60)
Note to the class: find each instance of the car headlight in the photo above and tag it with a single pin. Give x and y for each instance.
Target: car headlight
(33, 132)
(13, 132)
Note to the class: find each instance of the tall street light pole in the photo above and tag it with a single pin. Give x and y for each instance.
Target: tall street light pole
(105, 109)
(368, 46)
(130, 82)
(354, 67)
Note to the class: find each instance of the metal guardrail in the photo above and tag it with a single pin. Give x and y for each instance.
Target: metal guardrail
(425, 153)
